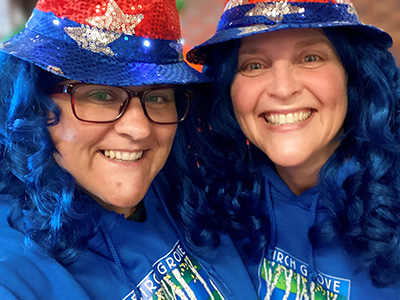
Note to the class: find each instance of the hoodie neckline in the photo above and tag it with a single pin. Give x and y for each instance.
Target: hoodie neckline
(276, 191)
(280, 192)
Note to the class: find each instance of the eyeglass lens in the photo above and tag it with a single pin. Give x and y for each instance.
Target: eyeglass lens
(99, 103)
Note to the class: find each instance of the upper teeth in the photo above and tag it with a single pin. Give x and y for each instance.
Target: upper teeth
(290, 118)
(124, 156)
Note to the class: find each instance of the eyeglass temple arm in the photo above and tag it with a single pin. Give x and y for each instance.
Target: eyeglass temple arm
(61, 88)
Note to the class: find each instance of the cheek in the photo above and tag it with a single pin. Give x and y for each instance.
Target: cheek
(240, 97)
(64, 141)
(164, 135)
(338, 102)
(64, 136)
(170, 137)
(64, 133)
(333, 87)
(245, 95)
(72, 140)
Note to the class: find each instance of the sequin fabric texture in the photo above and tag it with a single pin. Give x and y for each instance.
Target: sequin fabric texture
(233, 3)
(154, 19)
(246, 17)
(111, 42)
(240, 13)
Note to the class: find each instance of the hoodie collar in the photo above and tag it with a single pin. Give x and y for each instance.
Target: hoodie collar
(276, 191)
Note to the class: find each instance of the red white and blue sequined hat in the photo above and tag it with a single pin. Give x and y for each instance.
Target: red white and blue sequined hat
(243, 18)
(111, 42)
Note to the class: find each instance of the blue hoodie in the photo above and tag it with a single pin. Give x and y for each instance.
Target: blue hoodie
(124, 260)
(291, 269)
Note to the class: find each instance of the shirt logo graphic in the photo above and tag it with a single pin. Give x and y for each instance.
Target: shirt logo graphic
(285, 277)
(176, 276)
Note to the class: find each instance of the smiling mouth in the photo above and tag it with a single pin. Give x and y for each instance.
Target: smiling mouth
(123, 156)
(285, 119)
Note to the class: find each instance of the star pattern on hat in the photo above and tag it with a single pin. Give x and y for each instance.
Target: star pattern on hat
(116, 20)
(352, 10)
(344, 2)
(178, 47)
(234, 3)
(55, 70)
(93, 39)
(274, 11)
(255, 28)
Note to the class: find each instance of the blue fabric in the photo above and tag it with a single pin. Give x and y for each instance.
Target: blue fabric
(28, 275)
(336, 272)
(124, 260)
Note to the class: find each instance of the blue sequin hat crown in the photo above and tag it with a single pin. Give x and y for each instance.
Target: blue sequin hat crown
(111, 42)
(243, 18)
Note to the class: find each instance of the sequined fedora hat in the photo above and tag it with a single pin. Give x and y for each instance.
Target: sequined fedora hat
(111, 42)
(243, 18)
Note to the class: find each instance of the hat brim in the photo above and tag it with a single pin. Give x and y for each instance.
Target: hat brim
(71, 61)
(198, 54)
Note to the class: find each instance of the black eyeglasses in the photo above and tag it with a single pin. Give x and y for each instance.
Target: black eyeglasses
(104, 104)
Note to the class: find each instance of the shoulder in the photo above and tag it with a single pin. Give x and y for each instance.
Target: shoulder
(28, 272)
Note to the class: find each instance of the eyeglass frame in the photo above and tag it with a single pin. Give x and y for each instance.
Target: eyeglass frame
(69, 88)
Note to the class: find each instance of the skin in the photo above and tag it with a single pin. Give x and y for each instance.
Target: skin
(115, 184)
(290, 99)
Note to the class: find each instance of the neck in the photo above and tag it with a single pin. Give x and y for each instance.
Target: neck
(297, 179)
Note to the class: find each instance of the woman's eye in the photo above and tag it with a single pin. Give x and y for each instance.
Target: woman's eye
(157, 99)
(310, 58)
(100, 95)
(250, 67)
(255, 66)
(160, 96)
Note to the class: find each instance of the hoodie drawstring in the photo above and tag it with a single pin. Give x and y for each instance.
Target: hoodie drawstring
(312, 273)
(271, 213)
(117, 260)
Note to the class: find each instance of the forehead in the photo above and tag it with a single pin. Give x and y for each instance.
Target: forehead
(297, 37)
(135, 88)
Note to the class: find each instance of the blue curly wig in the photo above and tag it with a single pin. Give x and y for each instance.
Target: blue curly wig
(42, 193)
(366, 217)
(47, 205)
(217, 175)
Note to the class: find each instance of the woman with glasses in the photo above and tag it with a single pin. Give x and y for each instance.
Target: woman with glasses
(91, 94)
(304, 147)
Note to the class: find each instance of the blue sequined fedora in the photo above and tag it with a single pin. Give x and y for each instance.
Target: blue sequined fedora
(111, 42)
(243, 18)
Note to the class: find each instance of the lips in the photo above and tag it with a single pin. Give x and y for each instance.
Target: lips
(123, 156)
(285, 119)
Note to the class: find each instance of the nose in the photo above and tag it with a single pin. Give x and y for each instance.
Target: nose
(283, 81)
(134, 122)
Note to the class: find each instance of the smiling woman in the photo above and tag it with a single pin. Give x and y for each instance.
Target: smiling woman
(131, 135)
(114, 136)
(298, 147)
(283, 75)
(91, 96)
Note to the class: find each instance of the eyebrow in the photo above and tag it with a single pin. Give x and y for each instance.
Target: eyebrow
(314, 41)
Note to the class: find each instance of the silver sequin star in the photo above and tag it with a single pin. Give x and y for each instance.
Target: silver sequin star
(234, 3)
(178, 47)
(255, 28)
(115, 20)
(276, 11)
(93, 39)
